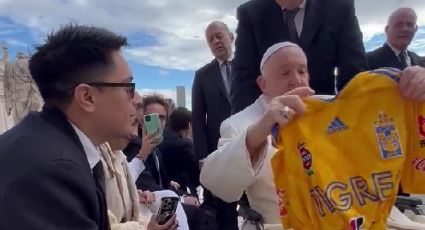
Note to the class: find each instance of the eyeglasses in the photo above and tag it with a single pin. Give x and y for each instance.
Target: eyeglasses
(399, 26)
(131, 86)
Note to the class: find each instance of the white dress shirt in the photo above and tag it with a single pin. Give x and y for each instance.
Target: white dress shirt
(299, 18)
(137, 166)
(228, 171)
(224, 74)
(397, 53)
(92, 153)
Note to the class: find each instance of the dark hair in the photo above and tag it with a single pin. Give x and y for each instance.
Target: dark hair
(180, 119)
(155, 99)
(73, 55)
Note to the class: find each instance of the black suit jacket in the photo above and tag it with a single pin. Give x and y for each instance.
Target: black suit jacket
(179, 160)
(133, 148)
(385, 57)
(45, 179)
(330, 37)
(149, 178)
(210, 107)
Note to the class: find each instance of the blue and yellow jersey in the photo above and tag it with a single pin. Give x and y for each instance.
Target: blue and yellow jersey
(339, 165)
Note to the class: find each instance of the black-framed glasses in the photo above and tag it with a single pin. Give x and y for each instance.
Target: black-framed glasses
(131, 86)
(408, 25)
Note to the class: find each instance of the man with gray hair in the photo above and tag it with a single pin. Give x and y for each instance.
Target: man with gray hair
(210, 107)
(400, 30)
(242, 161)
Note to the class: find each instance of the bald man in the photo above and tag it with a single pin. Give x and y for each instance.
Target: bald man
(400, 30)
(242, 160)
(211, 106)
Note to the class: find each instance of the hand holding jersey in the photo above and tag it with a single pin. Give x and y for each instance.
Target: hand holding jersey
(283, 81)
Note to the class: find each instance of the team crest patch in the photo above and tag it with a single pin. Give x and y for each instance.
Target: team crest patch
(283, 202)
(356, 223)
(388, 138)
(336, 126)
(306, 158)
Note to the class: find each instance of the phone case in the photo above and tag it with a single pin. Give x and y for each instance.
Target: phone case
(168, 209)
(153, 124)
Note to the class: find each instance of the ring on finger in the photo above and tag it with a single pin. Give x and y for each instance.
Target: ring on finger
(285, 112)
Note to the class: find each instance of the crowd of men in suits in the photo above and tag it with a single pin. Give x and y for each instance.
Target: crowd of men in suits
(53, 177)
(330, 36)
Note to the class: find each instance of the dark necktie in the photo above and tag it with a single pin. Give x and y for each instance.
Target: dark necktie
(228, 75)
(157, 166)
(99, 178)
(402, 58)
(288, 17)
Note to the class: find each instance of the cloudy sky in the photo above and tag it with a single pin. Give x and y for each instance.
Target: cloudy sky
(166, 36)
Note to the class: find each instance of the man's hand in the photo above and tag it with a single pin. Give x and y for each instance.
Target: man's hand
(171, 224)
(146, 197)
(276, 112)
(280, 111)
(148, 144)
(190, 200)
(412, 83)
(175, 185)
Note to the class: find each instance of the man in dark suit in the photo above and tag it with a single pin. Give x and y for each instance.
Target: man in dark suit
(327, 30)
(211, 106)
(400, 30)
(177, 151)
(51, 176)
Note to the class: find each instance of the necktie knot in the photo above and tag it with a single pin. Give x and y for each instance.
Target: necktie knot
(228, 80)
(291, 29)
(403, 56)
(290, 14)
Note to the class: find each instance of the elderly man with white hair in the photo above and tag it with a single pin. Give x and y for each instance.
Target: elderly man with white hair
(242, 160)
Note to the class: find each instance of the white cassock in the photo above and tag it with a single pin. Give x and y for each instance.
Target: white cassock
(228, 171)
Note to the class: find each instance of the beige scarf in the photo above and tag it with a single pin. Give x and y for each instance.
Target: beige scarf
(121, 192)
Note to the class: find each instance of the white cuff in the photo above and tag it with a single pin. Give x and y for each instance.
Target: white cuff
(136, 168)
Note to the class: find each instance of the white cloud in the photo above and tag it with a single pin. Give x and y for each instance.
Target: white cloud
(15, 42)
(177, 26)
(163, 73)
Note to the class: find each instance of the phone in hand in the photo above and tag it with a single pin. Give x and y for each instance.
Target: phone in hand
(167, 209)
(152, 125)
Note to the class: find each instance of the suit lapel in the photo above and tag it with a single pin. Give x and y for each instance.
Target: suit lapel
(58, 119)
(273, 24)
(414, 59)
(218, 78)
(313, 18)
(393, 61)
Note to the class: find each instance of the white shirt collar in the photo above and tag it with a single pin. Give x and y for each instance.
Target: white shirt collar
(92, 153)
(396, 51)
(302, 6)
(221, 61)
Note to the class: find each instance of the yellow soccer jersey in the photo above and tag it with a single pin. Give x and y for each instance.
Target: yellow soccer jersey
(338, 166)
(413, 178)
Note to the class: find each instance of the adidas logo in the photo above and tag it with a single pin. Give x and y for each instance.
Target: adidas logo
(336, 126)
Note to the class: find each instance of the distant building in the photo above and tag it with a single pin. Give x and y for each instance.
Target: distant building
(181, 96)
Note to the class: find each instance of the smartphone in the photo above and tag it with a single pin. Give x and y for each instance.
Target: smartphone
(152, 125)
(167, 210)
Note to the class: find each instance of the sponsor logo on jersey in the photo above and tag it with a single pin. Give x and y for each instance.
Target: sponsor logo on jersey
(336, 126)
(356, 223)
(283, 202)
(306, 158)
